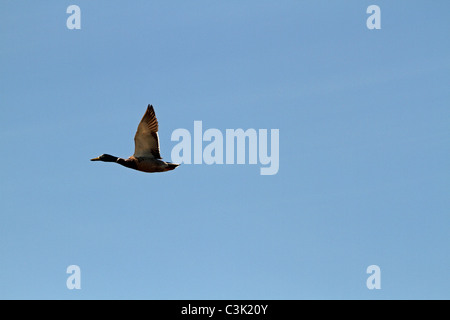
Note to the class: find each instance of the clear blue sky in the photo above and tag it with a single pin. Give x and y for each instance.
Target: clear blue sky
(364, 150)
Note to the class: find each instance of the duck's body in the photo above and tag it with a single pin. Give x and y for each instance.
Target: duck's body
(146, 156)
(147, 164)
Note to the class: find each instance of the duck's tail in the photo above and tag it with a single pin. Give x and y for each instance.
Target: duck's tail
(171, 166)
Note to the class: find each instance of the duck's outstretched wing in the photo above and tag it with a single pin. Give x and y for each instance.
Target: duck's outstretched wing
(146, 140)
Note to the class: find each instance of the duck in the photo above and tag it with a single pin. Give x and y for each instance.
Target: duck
(146, 157)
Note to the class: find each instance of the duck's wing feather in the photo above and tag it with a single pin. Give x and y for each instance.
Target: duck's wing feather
(146, 140)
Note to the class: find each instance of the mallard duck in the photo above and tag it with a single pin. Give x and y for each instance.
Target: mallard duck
(146, 155)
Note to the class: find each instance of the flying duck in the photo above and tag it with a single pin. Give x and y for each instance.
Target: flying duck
(146, 155)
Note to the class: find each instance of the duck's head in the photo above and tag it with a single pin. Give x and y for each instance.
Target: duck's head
(105, 158)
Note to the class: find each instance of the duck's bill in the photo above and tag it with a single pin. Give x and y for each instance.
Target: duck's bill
(95, 159)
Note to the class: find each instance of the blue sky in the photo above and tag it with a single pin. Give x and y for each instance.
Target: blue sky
(364, 147)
